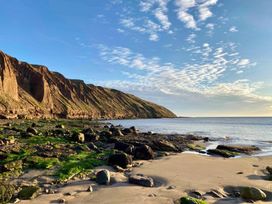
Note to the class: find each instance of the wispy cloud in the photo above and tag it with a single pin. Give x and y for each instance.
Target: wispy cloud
(204, 78)
(149, 27)
(203, 8)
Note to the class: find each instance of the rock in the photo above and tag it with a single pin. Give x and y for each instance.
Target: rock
(91, 137)
(32, 130)
(122, 146)
(118, 168)
(193, 137)
(106, 134)
(269, 169)
(144, 152)
(28, 193)
(92, 146)
(116, 131)
(78, 137)
(60, 126)
(163, 145)
(90, 189)
(220, 193)
(131, 130)
(141, 180)
(191, 200)
(252, 193)
(223, 153)
(120, 159)
(239, 148)
(6, 192)
(61, 200)
(103, 177)
(171, 187)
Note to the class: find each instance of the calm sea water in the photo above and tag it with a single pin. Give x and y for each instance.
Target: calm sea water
(255, 131)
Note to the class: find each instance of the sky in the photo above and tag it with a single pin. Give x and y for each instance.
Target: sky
(195, 57)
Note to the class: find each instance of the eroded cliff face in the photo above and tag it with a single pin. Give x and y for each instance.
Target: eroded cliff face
(33, 91)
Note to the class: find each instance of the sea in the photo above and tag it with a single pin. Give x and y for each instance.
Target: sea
(225, 130)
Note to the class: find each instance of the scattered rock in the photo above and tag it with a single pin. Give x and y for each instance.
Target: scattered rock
(144, 152)
(103, 177)
(125, 147)
(118, 168)
(196, 194)
(163, 145)
(252, 193)
(92, 146)
(6, 192)
(61, 200)
(141, 180)
(171, 187)
(91, 137)
(28, 192)
(106, 134)
(131, 130)
(269, 169)
(71, 193)
(60, 126)
(90, 189)
(120, 159)
(218, 193)
(116, 131)
(78, 137)
(32, 131)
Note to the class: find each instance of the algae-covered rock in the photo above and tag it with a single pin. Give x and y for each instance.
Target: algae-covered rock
(252, 193)
(191, 200)
(11, 166)
(223, 153)
(28, 192)
(6, 192)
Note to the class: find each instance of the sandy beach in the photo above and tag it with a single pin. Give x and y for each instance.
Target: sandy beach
(174, 175)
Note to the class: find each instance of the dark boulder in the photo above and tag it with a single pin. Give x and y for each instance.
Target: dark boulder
(91, 137)
(105, 134)
(163, 145)
(131, 130)
(78, 137)
(103, 177)
(125, 147)
(116, 132)
(60, 126)
(141, 180)
(143, 152)
(120, 159)
(32, 130)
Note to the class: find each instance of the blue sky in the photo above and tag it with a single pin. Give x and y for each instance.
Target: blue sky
(196, 57)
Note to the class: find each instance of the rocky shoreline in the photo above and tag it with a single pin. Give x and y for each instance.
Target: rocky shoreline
(42, 156)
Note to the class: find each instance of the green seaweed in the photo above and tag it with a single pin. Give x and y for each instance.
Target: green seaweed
(42, 163)
(81, 162)
(191, 200)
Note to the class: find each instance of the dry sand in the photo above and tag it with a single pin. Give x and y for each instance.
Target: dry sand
(183, 171)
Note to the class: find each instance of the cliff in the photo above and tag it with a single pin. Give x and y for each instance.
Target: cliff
(32, 91)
